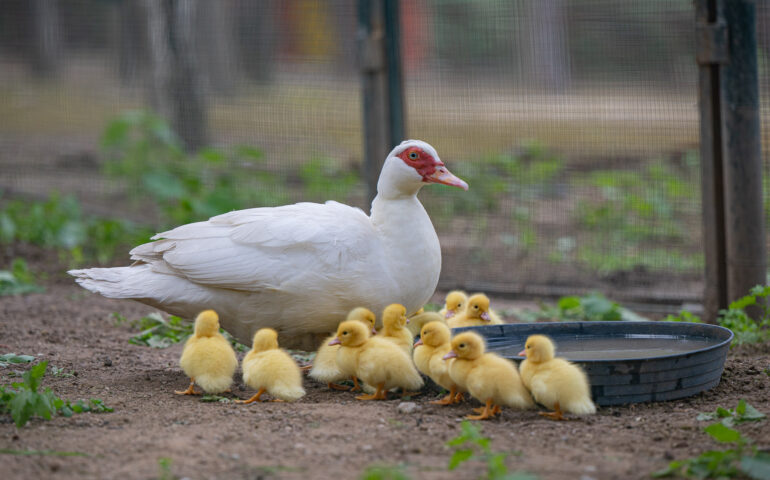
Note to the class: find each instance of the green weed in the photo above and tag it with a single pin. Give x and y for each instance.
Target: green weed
(19, 280)
(143, 150)
(23, 400)
(741, 460)
(743, 412)
(384, 472)
(11, 359)
(164, 469)
(58, 223)
(159, 332)
(588, 308)
(471, 445)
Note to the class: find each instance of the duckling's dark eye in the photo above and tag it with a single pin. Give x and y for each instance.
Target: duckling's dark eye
(344, 333)
(413, 155)
(462, 345)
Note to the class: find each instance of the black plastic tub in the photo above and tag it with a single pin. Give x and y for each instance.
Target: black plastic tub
(627, 362)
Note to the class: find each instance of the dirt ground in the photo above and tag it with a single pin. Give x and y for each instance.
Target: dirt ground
(325, 434)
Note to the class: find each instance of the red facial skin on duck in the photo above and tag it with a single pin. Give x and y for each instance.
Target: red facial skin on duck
(431, 170)
(421, 161)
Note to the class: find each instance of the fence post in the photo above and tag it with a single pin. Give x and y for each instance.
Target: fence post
(382, 84)
(733, 217)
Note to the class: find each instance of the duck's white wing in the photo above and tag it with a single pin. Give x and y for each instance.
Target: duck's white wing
(258, 249)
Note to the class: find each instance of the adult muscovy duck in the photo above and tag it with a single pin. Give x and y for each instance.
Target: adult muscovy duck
(296, 268)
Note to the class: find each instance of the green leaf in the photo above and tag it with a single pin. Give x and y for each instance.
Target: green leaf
(458, 457)
(568, 303)
(756, 467)
(672, 469)
(751, 414)
(721, 433)
(741, 408)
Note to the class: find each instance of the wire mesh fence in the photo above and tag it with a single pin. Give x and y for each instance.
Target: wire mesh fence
(574, 122)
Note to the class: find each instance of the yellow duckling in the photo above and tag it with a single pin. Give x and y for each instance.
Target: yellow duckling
(208, 358)
(325, 368)
(417, 321)
(476, 313)
(429, 354)
(267, 368)
(394, 322)
(554, 382)
(454, 303)
(486, 376)
(374, 360)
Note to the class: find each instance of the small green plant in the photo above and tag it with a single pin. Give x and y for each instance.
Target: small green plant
(591, 307)
(683, 316)
(747, 330)
(142, 150)
(23, 400)
(215, 399)
(60, 372)
(743, 412)
(164, 469)
(58, 223)
(742, 459)
(19, 280)
(158, 332)
(384, 472)
(11, 359)
(471, 445)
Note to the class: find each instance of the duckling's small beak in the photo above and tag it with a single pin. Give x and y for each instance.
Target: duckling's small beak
(407, 319)
(336, 341)
(418, 343)
(485, 316)
(449, 355)
(374, 331)
(522, 353)
(449, 314)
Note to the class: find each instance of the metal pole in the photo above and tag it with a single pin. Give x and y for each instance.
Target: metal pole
(382, 84)
(733, 219)
(744, 216)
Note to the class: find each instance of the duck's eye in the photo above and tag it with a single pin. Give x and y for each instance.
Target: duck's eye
(459, 305)
(344, 333)
(462, 345)
(413, 155)
(475, 307)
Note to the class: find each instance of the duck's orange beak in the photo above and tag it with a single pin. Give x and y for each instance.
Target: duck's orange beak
(444, 176)
(336, 341)
(522, 353)
(449, 355)
(418, 343)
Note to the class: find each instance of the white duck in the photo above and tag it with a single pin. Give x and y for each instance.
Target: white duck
(295, 268)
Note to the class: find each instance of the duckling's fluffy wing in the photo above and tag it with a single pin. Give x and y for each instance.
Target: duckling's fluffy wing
(265, 248)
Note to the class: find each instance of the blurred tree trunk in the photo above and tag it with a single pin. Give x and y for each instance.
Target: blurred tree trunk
(548, 53)
(215, 34)
(175, 84)
(132, 50)
(46, 42)
(256, 23)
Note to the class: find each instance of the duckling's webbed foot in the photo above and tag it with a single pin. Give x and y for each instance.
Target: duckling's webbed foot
(486, 412)
(380, 394)
(190, 390)
(335, 386)
(557, 414)
(253, 399)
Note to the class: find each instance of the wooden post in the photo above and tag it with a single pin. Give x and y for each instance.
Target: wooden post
(382, 84)
(733, 217)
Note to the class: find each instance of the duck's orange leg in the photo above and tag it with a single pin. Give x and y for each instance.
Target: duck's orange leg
(334, 386)
(253, 399)
(190, 390)
(356, 386)
(378, 395)
(458, 397)
(486, 413)
(557, 414)
(448, 400)
(305, 368)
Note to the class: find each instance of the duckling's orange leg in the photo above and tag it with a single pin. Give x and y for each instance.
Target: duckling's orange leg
(305, 368)
(190, 390)
(486, 413)
(404, 393)
(356, 386)
(253, 399)
(458, 397)
(496, 410)
(448, 400)
(557, 414)
(334, 386)
(378, 395)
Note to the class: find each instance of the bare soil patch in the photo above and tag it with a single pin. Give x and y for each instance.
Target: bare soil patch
(324, 435)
